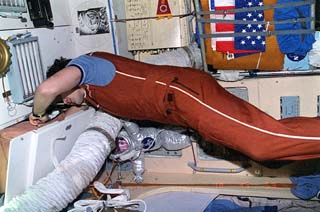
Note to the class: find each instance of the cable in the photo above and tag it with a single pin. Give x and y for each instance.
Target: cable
(193, 155)
(152, 17)
(119, 201)
(5, 94)
(11, 108)
(111, 172)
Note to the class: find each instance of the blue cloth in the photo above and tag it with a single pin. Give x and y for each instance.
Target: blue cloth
(212, 4)
(249, 42)
(236, 55)
(296, 63)
(307, 186)
(223, 205)
(299, 44)
(95, 70)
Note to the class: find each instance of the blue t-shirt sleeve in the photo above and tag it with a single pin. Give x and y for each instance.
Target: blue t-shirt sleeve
(95, 70)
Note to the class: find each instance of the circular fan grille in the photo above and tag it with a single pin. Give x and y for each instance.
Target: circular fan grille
(5, 57)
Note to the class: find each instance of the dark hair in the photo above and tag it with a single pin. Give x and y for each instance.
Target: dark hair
(57, 66)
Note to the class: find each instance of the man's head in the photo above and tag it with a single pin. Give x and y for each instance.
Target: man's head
(58, 65)
(72, 97)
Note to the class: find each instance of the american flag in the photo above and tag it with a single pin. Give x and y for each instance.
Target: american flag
(230, 44)
(250, 42)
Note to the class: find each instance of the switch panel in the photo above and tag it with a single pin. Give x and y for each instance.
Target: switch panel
(145, 31)
(241, 92)
(290, 106)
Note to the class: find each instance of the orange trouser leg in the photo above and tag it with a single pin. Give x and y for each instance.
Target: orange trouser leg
(223, 118)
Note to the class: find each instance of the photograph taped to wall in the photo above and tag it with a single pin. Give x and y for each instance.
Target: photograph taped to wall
(93, 21)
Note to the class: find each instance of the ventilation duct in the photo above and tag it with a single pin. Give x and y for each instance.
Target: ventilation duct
(26, 71)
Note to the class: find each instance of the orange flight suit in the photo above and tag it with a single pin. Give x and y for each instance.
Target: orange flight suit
(193, 99)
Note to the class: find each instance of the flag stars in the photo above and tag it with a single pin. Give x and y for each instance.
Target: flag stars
(251, 26)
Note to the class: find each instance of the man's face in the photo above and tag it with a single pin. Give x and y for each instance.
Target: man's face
(74, 96)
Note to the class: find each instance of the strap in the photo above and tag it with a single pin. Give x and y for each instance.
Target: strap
(265, 33)
(39, 116)
(190, 56)
(294, 20)
(264, 7)
(106, 134)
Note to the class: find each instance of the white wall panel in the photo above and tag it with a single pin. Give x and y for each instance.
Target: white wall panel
(265, 93)
(53, 44)
(95, 42)
(60, 11)
(14, 23)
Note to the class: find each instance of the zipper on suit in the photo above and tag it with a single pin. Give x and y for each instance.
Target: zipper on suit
(175, 80)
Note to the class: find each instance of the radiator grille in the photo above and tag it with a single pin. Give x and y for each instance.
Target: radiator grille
(26, 71)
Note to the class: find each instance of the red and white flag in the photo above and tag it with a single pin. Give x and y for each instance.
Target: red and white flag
(224, 44)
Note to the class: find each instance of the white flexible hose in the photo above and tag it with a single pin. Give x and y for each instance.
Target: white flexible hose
(73, 174)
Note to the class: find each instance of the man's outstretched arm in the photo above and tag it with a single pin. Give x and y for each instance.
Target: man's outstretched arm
(61, 82)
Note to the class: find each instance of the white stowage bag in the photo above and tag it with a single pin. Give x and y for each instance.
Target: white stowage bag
(189, 56)
(314, 54)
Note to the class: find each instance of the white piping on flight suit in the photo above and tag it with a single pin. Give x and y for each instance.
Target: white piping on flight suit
(223, 114)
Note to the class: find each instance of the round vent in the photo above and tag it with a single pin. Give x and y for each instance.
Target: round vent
(5, 57)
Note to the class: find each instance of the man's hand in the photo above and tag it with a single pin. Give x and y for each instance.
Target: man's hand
(38, 121)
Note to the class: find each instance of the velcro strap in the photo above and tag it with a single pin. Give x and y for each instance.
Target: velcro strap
(288, 21)
(106, 134)
(266, 33)
(264, 7)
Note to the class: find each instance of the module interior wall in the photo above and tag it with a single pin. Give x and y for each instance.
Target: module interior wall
(53, 44)
(60, 12)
